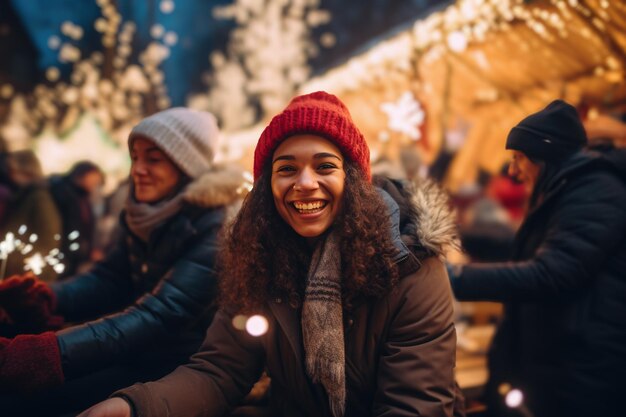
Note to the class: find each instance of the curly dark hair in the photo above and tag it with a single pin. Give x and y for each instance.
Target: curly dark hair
(264, 257)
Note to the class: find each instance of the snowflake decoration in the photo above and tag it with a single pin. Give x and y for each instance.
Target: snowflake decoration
(266, 60)
(405, 115)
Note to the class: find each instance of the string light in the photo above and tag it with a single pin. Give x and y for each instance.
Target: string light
(55, 107)
(457, 41)
(465, 22)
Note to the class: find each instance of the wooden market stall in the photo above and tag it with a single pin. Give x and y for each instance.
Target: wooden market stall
(477, 68)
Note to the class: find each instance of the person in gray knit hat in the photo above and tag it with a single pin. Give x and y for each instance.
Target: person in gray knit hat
(145, 308)
(562, 337)
(188, 137)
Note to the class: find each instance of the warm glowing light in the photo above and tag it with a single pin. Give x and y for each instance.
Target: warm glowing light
(166, 6)
(257, 325)
(239, 322)
(100, 24)
(328, 40)
(457, 41)
(170, 38)
(504, 388)
(34, 263)
(6, 91)
(157, 31)
(514, 398)
(54, 42)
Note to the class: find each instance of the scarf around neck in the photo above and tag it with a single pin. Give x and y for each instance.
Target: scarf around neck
(322, 323)
(143, 218)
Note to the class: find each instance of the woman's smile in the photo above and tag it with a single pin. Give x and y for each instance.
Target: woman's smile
(309, 207)
(308, 183)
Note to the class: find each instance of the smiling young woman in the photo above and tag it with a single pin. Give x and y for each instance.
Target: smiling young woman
(154, 175)
(357, 301)
(308, 183)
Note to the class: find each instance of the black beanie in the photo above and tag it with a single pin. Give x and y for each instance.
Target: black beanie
(550, 134)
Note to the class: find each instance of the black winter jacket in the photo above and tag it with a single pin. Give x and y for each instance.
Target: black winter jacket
(563, 336)
(155, 299)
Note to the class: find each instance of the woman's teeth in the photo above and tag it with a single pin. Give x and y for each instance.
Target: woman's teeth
(309, 207)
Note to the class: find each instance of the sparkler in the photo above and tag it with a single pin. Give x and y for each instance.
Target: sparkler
(36, 262)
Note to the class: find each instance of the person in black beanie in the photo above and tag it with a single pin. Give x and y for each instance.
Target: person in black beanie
(562, 339)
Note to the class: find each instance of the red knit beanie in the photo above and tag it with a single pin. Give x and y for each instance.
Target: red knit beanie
(320, 114)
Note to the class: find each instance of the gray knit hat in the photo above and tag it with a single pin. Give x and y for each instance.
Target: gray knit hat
(187, 136)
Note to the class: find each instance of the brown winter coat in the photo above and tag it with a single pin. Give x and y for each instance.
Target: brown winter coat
(400, 350)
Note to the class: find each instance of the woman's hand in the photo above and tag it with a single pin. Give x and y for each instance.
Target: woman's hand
(28, 306)
(113, 407)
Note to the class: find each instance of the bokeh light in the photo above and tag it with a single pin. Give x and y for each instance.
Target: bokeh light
(257, 325)
(514, 398)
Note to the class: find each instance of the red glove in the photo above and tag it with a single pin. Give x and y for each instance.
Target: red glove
(30, 363)
(27, 305)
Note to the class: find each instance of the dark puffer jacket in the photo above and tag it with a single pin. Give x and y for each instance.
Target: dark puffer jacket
(400, 348)
(154, 300)
(563, 336)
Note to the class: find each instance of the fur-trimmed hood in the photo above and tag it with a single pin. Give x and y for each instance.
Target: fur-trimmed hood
(421, 216)
(221, 186)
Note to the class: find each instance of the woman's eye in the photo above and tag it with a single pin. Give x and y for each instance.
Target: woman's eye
(327, 165)
(285, 168)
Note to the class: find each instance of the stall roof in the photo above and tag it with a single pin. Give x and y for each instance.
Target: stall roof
(480, 66)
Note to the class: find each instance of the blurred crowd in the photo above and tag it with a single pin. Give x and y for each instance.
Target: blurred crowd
(60, 211)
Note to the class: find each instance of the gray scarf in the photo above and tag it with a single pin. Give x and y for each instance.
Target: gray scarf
(322, 323)
(143, 218)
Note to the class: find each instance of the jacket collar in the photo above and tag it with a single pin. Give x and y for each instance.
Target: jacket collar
(571, 167)
(221, 186)
(419, 213)
(393, 211)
